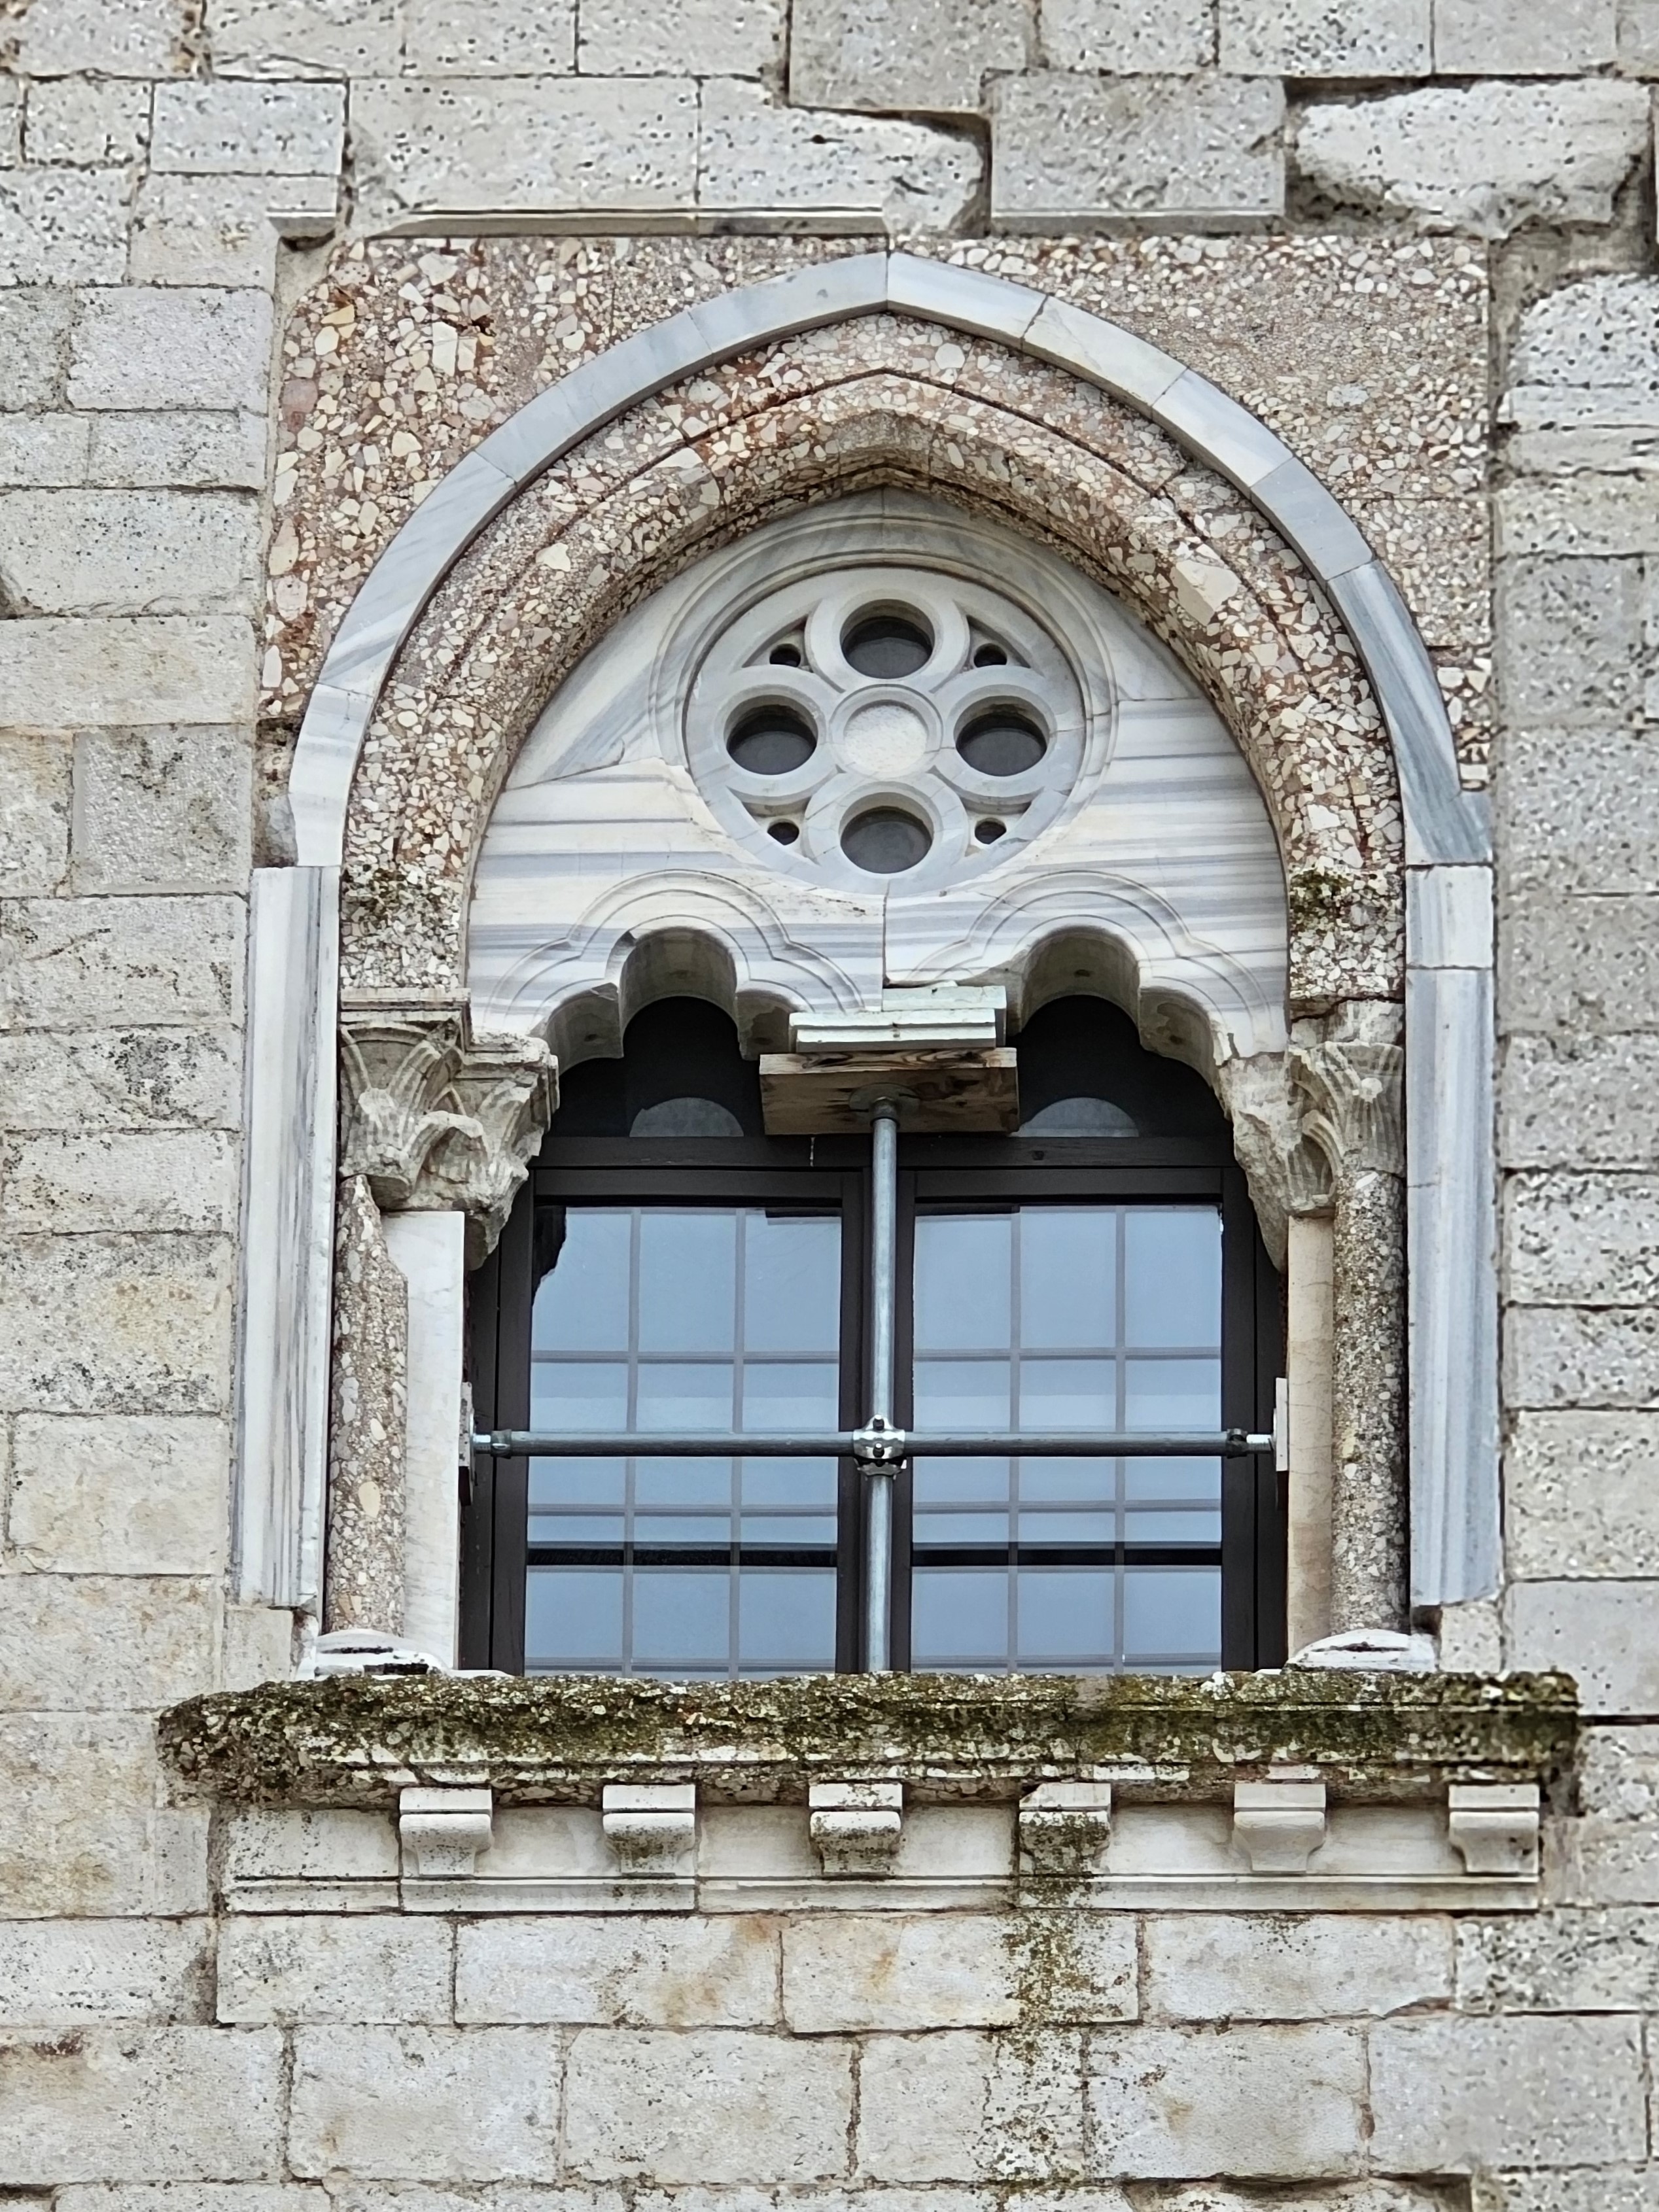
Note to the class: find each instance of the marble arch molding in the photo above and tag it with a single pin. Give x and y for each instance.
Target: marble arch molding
(1027, 411)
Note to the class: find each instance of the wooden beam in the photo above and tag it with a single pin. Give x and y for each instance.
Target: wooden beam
(823, 1094)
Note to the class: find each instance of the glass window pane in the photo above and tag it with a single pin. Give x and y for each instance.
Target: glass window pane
(580, 1397)
(1068, 1277)
(564, 1482)
(1091, 1479)
(683, 1482)
(791, 1395)
(682, 1619)
(788, 1482)
(961, 1481)
(984, 1525)
(962, 1395)
(573, 1618)
(688, 1279)
(1172, 1276)
(1066, 1617)
(963, 1279)
(582, 1304)
(792, 1285)
(1068, 1393)
(786, 1622)
(1173, 1395)
(1151, 1480)
(679, 1396)
(1194, 1525)
(1053, 1526)
(959, 1618)
(1172, 1614)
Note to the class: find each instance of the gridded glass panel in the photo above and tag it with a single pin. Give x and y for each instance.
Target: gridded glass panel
(1057, 1318)
(679, 1317)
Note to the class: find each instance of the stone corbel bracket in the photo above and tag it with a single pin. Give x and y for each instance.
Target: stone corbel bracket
(436, 1120)
(1064, 1829)
(443, 1832)
(1349, 1077)
(1280, 1823)
(1495, 1827)
(856, 1827)
(651, 1828)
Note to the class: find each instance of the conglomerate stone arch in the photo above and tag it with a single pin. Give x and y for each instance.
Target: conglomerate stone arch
(889, 401)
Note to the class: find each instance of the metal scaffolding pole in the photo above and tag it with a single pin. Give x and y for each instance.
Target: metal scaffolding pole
(879, 1464)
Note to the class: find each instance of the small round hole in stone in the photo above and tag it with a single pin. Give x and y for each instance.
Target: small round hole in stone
(987, 832)
(990, 654)
(784, 833)
(887, 642)
(772, 739)
(787, 655)
(885, 841)
(1002, 741)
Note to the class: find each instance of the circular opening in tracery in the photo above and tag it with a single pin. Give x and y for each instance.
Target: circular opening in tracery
(772, 739)
(887, 642)
(987, 832)
(990, 654)
(885, 841)
(787, 655)
(1002, 741)
(784, 833)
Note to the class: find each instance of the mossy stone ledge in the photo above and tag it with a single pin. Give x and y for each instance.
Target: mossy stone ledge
(355, 1741)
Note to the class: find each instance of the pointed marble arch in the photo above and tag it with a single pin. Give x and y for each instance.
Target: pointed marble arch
(1449, 1000)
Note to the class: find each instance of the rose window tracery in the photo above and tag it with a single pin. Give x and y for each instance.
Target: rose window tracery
(890, 723)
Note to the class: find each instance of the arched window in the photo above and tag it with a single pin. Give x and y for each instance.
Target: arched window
(669, 1266)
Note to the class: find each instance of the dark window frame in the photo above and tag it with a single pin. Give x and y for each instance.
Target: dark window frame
(933, 1171)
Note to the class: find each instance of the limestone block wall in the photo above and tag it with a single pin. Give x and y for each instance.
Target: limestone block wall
(1471, 180)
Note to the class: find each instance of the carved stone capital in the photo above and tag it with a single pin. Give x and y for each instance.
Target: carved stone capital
(1350, 1086)
(1287, 1174)
(435, 1119)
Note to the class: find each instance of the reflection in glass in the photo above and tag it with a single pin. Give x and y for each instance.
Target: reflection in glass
(697, 1318)
(1052, 1318)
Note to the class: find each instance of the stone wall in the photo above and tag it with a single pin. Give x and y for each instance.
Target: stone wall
(174, 176)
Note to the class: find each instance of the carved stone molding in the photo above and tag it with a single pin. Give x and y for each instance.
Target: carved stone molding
(435, 1119)
(1348, 1072)
(1286, 1172)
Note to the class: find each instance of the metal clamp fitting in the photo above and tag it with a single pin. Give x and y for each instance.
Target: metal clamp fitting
(879, 1443)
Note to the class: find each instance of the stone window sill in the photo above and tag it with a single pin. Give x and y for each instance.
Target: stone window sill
(1277, 1792)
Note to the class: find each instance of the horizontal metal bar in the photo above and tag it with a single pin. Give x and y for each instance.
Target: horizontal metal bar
(855, 1444)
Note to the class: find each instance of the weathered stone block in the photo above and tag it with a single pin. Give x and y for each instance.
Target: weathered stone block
(1571, 1962)
(641, 38)
(34, 340)
(186, 448)
(1586, 356)
(1128, 38)
(64, 225)
(706, 2107)
(118, 1324)
(110, 1495)
(162, 810)
(155, 2104)
(86, 1832)
(87, 122)
(1250, 2101)
(1639, 37)
(305, 37)
(1203, 1966)
(1487, 161)
(513, 38)
(59, 673)
(247, 127)
(161, 1180)
(44, 449)
(1449, 2094)
(327, 1845)
(66, 1974)
(424, 2104)
(1578, 810)
(619, 1971)
(104, 1642)
(1572, 965)
(328, 1968)
(1571, 636)
(755, 156)
(1567, 1355)
(224, 230)
(34, 813)
(129, 552)
(114, 37)
(1071, 148)
(1580, 1496)
(852, 1972)
(1611, 1862)
(895, 54)
(142, 347)
(962, 2107)
(1581, 1240)
(1326, 38)
(590, 144)
(197, 2197)
(1604, 1633)
(121, 1079)
(66, 962)
(1607, 2190)
(1521, 37)
(1580, 515)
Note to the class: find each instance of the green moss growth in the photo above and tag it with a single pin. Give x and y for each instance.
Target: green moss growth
(353, 1740)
